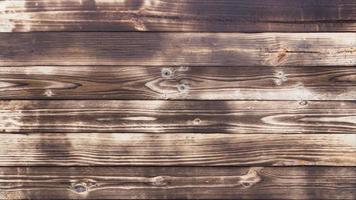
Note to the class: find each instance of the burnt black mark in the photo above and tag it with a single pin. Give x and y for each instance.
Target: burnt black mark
(309, 183)
(259, 15)
(54, 149)
(89, 4)
(98, 19)
(83, 48)
(134, 4)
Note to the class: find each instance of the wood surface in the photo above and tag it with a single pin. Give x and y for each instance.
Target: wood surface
(267, 117)
(184, 182)
(180, 149)
(177, 99)
(178, 49)
(178, 15)
(178, 83)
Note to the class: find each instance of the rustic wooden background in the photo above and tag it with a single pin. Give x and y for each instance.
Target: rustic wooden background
(178, 99)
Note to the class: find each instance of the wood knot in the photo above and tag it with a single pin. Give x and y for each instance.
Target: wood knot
(196, 121)
(138, 24)
(251, 178)
(164, 96)
(281, 55)
(48, 93)
(159, 181)
(167, 73)
(281, 77)
(80, 187)
(246, 184)
(303, 103)
(183, 88)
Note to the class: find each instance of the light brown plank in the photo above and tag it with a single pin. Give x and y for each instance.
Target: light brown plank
(194, 83)
(179, 116)
(177, 49)
(178, 183)
(181, 149)
(177, 15)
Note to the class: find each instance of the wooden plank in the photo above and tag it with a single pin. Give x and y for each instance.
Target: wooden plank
(177, 183)
(177, 49)
(194, 83)
(177, 15)
(178, 116)
(180, 149)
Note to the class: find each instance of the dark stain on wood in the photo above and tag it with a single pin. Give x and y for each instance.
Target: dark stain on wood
(184, 182)
(61, 149)
(174, 15)
(178, 49)
(178, 149)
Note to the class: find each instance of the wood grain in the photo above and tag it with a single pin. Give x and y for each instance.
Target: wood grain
(181, 149)
(178, 116)
(178, 49)
(177, 15)
(177, 183)
(192, 83)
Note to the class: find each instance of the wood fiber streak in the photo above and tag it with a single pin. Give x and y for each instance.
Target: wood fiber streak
(178, 116)
(178, 49)
(181, 149)
(160, 83)
(177, 15)
(178, 183)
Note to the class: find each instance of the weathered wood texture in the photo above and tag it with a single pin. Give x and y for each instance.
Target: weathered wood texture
(179, 116)
(181, 149)
(177, 15)
(196, 83)
(178, 183)
(89, 115)
(177, 49)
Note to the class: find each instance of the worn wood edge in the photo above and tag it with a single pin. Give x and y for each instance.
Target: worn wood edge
(177, 83)
(180, 149)
(177, 183)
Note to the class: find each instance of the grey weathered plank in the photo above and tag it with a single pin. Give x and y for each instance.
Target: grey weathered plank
(177, 183)
(196, 83)
(180, 149)
(178, 116)
(177, 49)
(177, 15)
